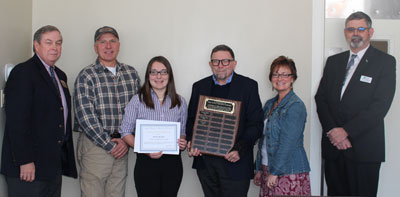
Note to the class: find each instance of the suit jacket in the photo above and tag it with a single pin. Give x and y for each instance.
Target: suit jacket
(363, 106)
(34, 130)
(250, 124)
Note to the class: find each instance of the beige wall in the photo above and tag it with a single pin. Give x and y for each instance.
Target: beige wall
(384, 30)
(15, 46)
(185, 32)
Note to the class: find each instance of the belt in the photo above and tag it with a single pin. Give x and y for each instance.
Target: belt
(115, 135)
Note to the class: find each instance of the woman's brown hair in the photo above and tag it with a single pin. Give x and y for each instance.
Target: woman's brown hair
(145, 90)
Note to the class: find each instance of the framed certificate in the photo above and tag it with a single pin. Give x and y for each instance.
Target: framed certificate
(155, 136)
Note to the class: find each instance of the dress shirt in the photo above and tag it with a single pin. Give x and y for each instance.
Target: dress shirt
(351, 71)
(100, 99)
(62, 95)
(139, 110)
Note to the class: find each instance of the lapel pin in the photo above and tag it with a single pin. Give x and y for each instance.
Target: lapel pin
(63, 83)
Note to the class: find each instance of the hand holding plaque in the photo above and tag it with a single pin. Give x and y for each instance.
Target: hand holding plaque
(216, 125)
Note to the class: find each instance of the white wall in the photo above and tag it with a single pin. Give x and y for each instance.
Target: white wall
(15, 46)
(318, 22)
(185, 32)
(384, 30)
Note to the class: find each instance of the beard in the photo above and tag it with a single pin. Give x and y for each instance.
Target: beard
(356, 41)
(221, 76)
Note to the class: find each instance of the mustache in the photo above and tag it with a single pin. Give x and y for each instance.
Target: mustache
(356, 37)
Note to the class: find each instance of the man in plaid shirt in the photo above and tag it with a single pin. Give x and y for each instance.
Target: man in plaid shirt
(102, 90)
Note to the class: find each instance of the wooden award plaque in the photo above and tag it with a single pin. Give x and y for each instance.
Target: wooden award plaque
(216, 125)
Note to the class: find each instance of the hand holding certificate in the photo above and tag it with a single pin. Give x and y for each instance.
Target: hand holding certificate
(155, 136)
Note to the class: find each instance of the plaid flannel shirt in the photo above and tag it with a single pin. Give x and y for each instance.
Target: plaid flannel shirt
(100, 98)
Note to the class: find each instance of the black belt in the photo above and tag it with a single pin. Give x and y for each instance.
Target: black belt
(115, 135)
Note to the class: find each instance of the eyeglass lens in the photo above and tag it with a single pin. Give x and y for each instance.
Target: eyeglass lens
(283, 75)
(359, 29)
(162, 72)
(224, 62)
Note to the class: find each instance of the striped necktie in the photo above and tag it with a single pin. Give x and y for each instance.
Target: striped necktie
(349, 66)
(53, 78)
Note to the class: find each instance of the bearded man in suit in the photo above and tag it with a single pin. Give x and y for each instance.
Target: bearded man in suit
(354, 95)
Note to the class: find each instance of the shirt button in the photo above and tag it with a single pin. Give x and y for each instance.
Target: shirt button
(60, 126)
(59, 142)
(61, 108)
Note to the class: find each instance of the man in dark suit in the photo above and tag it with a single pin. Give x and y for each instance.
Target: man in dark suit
(354, 95)
(37, 146)
(229, 175)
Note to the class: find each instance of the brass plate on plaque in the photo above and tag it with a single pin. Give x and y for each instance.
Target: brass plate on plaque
(216, 125)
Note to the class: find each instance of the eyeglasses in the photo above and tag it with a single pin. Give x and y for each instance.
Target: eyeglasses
(359, 29)
(224, 62)
(283, 75)
(162, 72)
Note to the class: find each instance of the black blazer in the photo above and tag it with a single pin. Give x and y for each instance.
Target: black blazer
(364, 104)
(34, 130)
(250, 124)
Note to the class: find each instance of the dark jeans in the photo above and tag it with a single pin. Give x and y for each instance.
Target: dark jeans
(18, 188)
(217, 183)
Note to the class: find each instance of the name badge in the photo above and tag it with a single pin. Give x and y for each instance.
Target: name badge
(365, 79)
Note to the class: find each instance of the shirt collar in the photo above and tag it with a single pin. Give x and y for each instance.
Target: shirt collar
(100, 65)
(285, 99)
(227, 82)
(44, 63)
(361, 53)
(154, 95)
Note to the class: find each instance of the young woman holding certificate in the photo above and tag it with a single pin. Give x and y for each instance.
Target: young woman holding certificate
(156, 174)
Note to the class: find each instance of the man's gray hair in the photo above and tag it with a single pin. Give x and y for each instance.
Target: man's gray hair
(358, 16)
(38, 34)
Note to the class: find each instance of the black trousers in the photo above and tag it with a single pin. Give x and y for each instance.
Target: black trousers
(216, 182)
(18, 188)
(158, 177)
(345, 177)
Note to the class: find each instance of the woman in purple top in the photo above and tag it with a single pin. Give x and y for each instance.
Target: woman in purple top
(156, 174)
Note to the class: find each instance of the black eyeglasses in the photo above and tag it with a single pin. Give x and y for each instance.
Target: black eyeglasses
(224, 62)
(162, 72)
(359, 29)
(283, 75)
